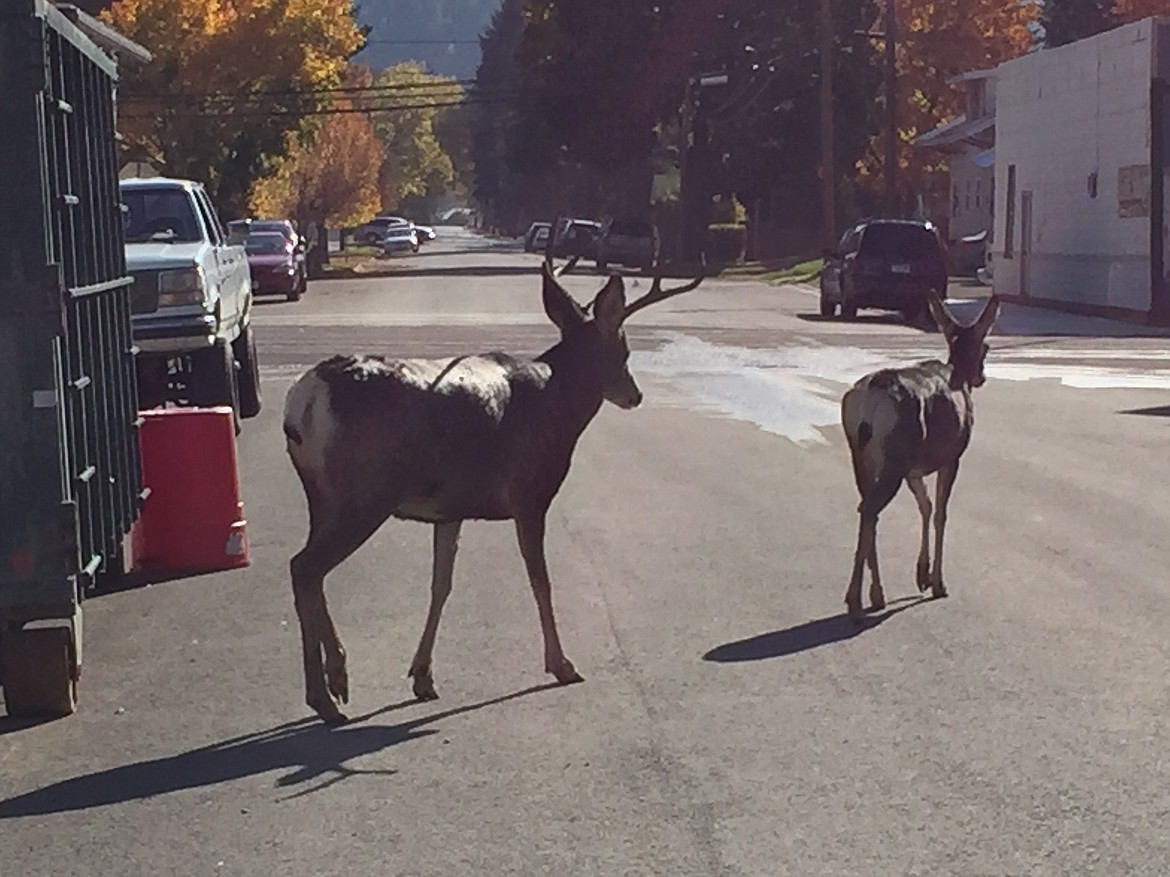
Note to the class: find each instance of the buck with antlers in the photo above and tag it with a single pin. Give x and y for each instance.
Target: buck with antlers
(904, 424)
(485, 437)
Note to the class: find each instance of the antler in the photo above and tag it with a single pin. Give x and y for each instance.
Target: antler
(657, 293)
(548, 253)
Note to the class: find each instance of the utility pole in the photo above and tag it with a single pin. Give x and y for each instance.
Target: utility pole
(828, 162)
(891, 161)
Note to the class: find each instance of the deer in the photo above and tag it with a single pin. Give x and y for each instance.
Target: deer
(442, 441)
(903, 425)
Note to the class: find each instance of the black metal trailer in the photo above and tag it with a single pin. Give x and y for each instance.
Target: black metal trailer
(70, 473)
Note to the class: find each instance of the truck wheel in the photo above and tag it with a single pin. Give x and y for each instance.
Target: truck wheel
(249, 375)
(212, 380)
(39, 672)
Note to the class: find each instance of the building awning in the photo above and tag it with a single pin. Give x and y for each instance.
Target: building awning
(958, 131)
(108, 39)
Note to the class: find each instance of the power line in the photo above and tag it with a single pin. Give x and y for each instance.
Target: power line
(306, 92)
(422, 42)
(330, 111)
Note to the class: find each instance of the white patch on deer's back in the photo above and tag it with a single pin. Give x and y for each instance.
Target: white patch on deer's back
(308, 412)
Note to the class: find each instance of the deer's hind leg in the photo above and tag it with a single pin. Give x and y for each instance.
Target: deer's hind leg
(875, 497)
(922, 497)
(446, 543)
(333, 536)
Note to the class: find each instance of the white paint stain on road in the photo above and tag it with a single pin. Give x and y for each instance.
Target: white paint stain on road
(795, 391)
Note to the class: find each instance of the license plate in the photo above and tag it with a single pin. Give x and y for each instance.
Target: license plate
(900, 269)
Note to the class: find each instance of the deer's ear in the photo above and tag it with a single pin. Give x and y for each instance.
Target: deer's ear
(609, 308)
(942, 316)
(987, 318)
(558, 304)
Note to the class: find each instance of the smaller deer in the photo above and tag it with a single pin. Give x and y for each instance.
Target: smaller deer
(440, 441)
(905, 424)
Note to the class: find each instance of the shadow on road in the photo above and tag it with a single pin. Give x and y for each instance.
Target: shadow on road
(922, 324)
(1156, 411)
(810, 635)
(312, 750)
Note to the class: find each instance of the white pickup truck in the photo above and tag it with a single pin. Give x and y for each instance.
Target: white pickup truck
(192, 299)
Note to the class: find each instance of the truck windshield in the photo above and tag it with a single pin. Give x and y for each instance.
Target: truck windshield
(160, 215)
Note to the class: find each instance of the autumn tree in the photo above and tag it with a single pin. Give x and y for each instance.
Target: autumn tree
(329, 176)
(936, 42)
(1065, 21)
(1125, 11)
(407, 105)
(229, 81)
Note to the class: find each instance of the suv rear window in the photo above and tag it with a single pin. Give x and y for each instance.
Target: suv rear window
(899, 241)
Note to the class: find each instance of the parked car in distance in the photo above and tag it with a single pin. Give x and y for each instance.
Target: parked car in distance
(530, 235)
(400, 239)
(884, 264)
(372, 232)
(577, 237)
(626, 242)
(968, 254)
(276, 265)
(240, 229)
(191, 300)
(540, 239)
(426, 234)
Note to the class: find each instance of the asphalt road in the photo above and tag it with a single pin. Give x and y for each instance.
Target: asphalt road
(732, 722)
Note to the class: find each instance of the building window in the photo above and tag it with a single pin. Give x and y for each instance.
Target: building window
(955, 200)
(978, 194)
(1009, 219)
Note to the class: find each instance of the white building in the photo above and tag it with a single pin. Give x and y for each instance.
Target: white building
(1078, 212)
(969, 142)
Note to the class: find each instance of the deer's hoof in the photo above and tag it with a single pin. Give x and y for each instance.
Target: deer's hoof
(855, 612)
(565, 672)
(424, 687)
(877, 602)
(923, 576)
(938, 590)
(329, 713)
(337, 680)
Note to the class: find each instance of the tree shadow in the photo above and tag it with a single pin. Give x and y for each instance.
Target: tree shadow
(1156, 411)
(810, 635)
(311, 750)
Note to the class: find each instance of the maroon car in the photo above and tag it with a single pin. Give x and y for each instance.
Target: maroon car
(277, 267)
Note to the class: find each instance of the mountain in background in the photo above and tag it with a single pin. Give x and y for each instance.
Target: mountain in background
(441, 34)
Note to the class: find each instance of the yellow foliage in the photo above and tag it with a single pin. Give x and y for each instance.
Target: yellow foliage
(415, 162)
(228, 78)
(1135, 10)
(331, 178)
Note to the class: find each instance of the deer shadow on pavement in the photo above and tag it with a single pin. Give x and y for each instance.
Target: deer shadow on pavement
(312, 750)
(810, 635)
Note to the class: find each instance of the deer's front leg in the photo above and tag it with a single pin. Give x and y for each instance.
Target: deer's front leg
(530, 533)
(946, 482)
(443, 569)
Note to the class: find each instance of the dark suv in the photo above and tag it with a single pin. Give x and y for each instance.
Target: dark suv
(885, 264)
(628, 243)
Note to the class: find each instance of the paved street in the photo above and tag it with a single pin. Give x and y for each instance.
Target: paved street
(732, 721)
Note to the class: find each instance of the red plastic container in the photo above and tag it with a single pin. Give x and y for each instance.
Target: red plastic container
(193, 519)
